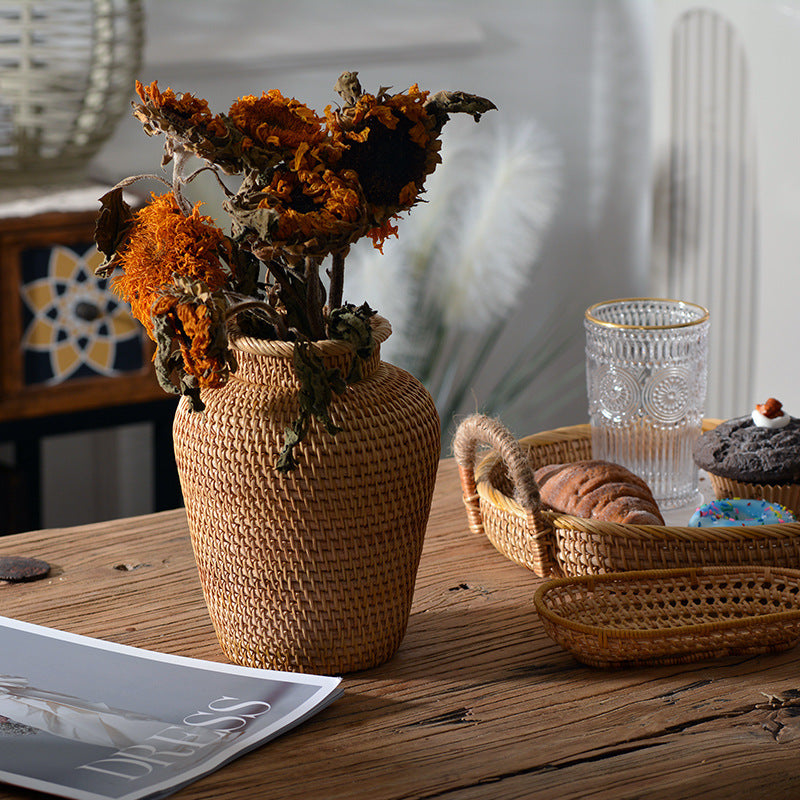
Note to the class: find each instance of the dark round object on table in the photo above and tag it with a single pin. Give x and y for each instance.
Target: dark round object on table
(20, 568)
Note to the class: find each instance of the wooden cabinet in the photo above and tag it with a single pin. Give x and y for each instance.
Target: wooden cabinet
(67, 342)
(72, 358)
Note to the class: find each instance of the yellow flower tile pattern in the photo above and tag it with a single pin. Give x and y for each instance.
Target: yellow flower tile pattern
(74, 326)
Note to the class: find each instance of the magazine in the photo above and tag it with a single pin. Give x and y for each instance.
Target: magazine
(92, 720)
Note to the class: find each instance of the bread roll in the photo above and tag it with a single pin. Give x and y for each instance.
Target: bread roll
(598, 490)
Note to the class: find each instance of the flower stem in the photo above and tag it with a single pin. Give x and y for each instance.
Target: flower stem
(180, 158)
(337, 280)
(314, 298)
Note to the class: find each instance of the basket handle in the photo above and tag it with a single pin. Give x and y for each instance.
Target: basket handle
(480, 429)
(538, 541)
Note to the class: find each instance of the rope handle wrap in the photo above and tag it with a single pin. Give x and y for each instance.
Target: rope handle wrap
(480, 429)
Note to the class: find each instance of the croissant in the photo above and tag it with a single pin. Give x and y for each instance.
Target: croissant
(598, 490)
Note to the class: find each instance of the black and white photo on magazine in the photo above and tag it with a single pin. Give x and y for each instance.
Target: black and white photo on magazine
(91, 720)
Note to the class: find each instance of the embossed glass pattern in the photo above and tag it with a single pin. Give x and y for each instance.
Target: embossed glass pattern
(646, 376)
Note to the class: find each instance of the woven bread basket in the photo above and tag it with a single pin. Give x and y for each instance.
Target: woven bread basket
(502, 502)
(672, 616)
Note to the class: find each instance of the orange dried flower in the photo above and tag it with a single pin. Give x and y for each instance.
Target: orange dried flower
(320, 210)
(163, 241)
(392, 144)
(200, 358)
(273, 120)
(191, 110)
(198, 325)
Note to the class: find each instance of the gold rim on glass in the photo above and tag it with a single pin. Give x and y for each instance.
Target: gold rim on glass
(680, 303)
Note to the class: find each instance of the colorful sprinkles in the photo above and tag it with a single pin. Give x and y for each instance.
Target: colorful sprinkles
(738, 511)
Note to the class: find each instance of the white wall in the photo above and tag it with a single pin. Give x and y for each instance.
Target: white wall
(752, 351)
(580, 68)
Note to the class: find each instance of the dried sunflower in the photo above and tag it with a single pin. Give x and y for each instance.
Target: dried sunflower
(306, 212)
(188, 123)
(275, 121)
(390, 142)
(187, 111)
(162, 242)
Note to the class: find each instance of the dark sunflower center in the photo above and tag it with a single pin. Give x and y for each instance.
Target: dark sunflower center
(386, 162)
(301, 202)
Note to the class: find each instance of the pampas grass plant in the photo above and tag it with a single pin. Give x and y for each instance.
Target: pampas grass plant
(453, 279)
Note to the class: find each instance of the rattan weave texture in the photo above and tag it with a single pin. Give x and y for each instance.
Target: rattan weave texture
(502, 502)
(312, 571)
(672, 616)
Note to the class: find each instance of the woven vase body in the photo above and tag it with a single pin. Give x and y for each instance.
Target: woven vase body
(314, 570)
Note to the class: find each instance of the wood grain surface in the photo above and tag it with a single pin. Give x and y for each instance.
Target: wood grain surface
(478, 702)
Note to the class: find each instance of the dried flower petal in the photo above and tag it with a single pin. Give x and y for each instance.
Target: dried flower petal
(273, 120)
(196, 319)
(163, 241)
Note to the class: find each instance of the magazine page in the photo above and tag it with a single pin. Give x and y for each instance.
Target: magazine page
(91, 720)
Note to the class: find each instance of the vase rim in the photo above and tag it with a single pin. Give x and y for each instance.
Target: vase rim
(381, 330)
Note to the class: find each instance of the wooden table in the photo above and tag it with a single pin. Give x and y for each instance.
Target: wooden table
(477, 703)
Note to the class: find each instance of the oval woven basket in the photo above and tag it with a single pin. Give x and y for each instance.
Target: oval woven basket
(502, 502)
(672, 616)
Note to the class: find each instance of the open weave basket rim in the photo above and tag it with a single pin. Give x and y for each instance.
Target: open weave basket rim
(381, 330)
(489, 493)
(666, 576)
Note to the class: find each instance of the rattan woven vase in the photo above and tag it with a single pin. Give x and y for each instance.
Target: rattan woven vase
(314, 570)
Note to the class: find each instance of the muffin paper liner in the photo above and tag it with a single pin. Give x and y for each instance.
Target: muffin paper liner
(786, 494)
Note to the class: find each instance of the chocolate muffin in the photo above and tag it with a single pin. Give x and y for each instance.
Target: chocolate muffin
(754, 457)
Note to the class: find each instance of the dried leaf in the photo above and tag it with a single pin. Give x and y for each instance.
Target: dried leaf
(114, 224)
(442, 104)
(348, 88)
(317, 387)
(351, 324)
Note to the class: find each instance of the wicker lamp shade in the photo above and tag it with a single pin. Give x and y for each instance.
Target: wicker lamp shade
(67, 69)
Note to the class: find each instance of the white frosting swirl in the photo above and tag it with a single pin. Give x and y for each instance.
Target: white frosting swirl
(770, 422)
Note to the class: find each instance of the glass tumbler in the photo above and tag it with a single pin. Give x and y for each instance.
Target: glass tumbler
(646, 378)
